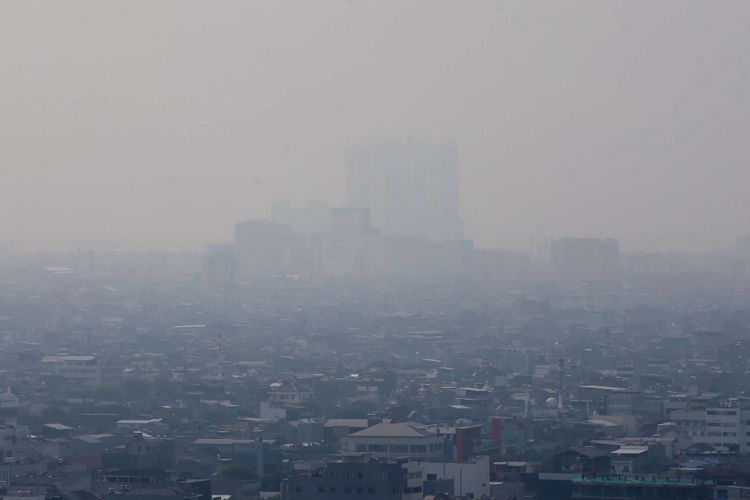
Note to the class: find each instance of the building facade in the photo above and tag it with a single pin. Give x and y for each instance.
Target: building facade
(723, 426)
(410, 187)
(394, 441)
(343, 481)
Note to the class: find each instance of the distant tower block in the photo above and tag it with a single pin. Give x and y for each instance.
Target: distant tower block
(411, 188)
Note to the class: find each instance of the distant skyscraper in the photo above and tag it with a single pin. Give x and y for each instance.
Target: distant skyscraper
(411, 188)
(585, 259)
(263, 246)
(313, 218)
(743, 244)
(350, 222)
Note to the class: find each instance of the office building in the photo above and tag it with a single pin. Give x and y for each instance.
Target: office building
(585, 259)
(411, 188)
(724, 426)
(263, 246)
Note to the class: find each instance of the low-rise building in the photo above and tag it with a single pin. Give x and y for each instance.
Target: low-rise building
(618, 487)
(396, 440)
(469, 478)
(347, 480)
(82, 371)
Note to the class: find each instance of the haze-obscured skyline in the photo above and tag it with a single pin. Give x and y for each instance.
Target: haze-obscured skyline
(151, 123)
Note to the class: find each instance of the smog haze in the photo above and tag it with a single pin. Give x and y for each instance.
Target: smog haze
(161, 124)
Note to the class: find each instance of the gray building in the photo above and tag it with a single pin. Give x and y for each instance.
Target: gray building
(343, 481)
(585, 259)
(410, 187)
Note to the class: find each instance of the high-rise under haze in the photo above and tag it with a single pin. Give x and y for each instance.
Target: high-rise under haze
(410, 187)
(585, 259)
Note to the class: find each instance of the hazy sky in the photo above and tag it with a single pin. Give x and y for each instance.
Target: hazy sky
(165, 122)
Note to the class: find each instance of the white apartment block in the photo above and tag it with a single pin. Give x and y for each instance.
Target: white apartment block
(727, 425)
(84, 371)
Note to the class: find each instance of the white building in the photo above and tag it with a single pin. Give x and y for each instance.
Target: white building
(288, 392)
(727, 425)
(85, 371)
(271, 411)
(392, 441)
